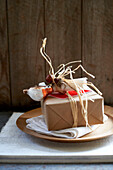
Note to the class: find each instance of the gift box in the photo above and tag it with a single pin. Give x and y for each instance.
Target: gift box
(58, 112)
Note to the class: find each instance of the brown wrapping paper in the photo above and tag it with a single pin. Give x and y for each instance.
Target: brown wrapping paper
(58, 114)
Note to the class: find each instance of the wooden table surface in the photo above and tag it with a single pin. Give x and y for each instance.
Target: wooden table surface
(56, 166)
(109, 166)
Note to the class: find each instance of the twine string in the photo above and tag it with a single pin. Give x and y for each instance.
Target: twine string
(63, 71)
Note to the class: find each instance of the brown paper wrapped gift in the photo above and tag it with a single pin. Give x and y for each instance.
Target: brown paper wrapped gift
(58, 114)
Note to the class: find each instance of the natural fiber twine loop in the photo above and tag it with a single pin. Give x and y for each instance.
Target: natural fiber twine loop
(63, 71)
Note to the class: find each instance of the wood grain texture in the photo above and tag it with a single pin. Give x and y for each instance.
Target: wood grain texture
(63, 30)
(97, 44)
(26, 30)
(76, 29)
(4, 63)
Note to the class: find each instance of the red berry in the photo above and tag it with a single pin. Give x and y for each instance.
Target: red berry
(49, 79)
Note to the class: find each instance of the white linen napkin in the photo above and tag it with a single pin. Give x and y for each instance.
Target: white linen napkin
(38, 124)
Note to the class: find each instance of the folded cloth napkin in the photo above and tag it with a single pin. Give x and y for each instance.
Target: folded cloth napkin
(38, 124)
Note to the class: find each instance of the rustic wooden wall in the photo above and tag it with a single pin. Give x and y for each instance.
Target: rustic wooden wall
(97, 44)
(5, 95)
(63, 29)
(76, 29)
(26, 30)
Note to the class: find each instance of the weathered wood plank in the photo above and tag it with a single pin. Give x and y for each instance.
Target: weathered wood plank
(97, 43)
(4, 62)
(63, 30)
(26, 30)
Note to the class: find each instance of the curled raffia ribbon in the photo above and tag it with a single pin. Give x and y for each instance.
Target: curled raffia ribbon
(56, 81)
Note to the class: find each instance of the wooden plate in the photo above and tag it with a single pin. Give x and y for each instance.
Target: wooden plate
(102, 131)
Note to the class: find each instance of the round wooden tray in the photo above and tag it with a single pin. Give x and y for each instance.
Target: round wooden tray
(104, 130)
